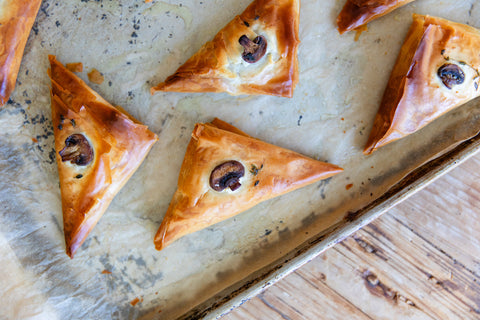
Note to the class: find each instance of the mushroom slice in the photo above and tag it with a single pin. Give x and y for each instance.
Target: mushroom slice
(451, 75)
(77, 150)
(227, 175)
(254, 50)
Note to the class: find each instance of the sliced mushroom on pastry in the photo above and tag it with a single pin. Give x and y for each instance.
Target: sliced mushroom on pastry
(226, 172)
(436, 71)
(16, 21)
(256, 53)
(357, 13)
(98, 148)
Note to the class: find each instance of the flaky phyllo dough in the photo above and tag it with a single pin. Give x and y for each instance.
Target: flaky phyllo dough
(16, 21)
(256, 53)
(357, 13)
(98, 148)
(226, 172)
(436, 71)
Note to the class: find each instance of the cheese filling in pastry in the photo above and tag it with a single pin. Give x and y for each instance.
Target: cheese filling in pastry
(16, 21)
(357, 13)
(256, 53)
(226, 172)
(436, 71)
(98, 148)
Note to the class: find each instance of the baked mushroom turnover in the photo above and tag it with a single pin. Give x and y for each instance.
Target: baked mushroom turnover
(16, 21)
(98, 148)
(436, 71)
(357, 13)
(226, 172)
(256, 53)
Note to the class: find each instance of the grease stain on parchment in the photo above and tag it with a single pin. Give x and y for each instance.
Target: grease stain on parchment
(163, 7)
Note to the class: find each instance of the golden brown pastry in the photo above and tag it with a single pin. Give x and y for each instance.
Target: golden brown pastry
(98, 148)
(256, 53)
(436, 71)
(16, 21)
(225, 172)
(357, 13)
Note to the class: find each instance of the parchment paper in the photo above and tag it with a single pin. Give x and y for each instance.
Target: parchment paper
(136, 45)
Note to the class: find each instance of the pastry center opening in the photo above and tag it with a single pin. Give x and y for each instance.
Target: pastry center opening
(253, 50)
(227, 175)
(451, 75)
(77, 150)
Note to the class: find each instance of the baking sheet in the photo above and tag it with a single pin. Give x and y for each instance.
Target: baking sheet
(136, 45)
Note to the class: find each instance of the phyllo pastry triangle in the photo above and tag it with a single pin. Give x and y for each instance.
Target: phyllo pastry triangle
(98, 148)
(16, 21)
(436, 71)
(226, 172)
(357, 13)
(256, 53)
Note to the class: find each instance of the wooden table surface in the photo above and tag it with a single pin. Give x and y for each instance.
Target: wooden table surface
(420, 260)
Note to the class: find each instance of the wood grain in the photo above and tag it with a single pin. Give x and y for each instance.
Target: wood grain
(420, 260)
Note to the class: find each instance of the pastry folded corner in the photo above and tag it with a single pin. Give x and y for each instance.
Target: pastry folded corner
(16, 21)
(98, 147)
(261, 171)
(256, 53)
(357, 13)
(436, 71)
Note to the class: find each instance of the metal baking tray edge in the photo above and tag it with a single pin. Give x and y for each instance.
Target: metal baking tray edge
(255, 283)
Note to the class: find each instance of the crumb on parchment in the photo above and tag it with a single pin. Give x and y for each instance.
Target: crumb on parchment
(95, 76)
(135, 301)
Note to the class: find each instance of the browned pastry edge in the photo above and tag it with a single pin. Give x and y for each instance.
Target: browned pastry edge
(206, 71)
(16, 21)
(270, 171)
(414, 96)
(119, 146)
(354, 14)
